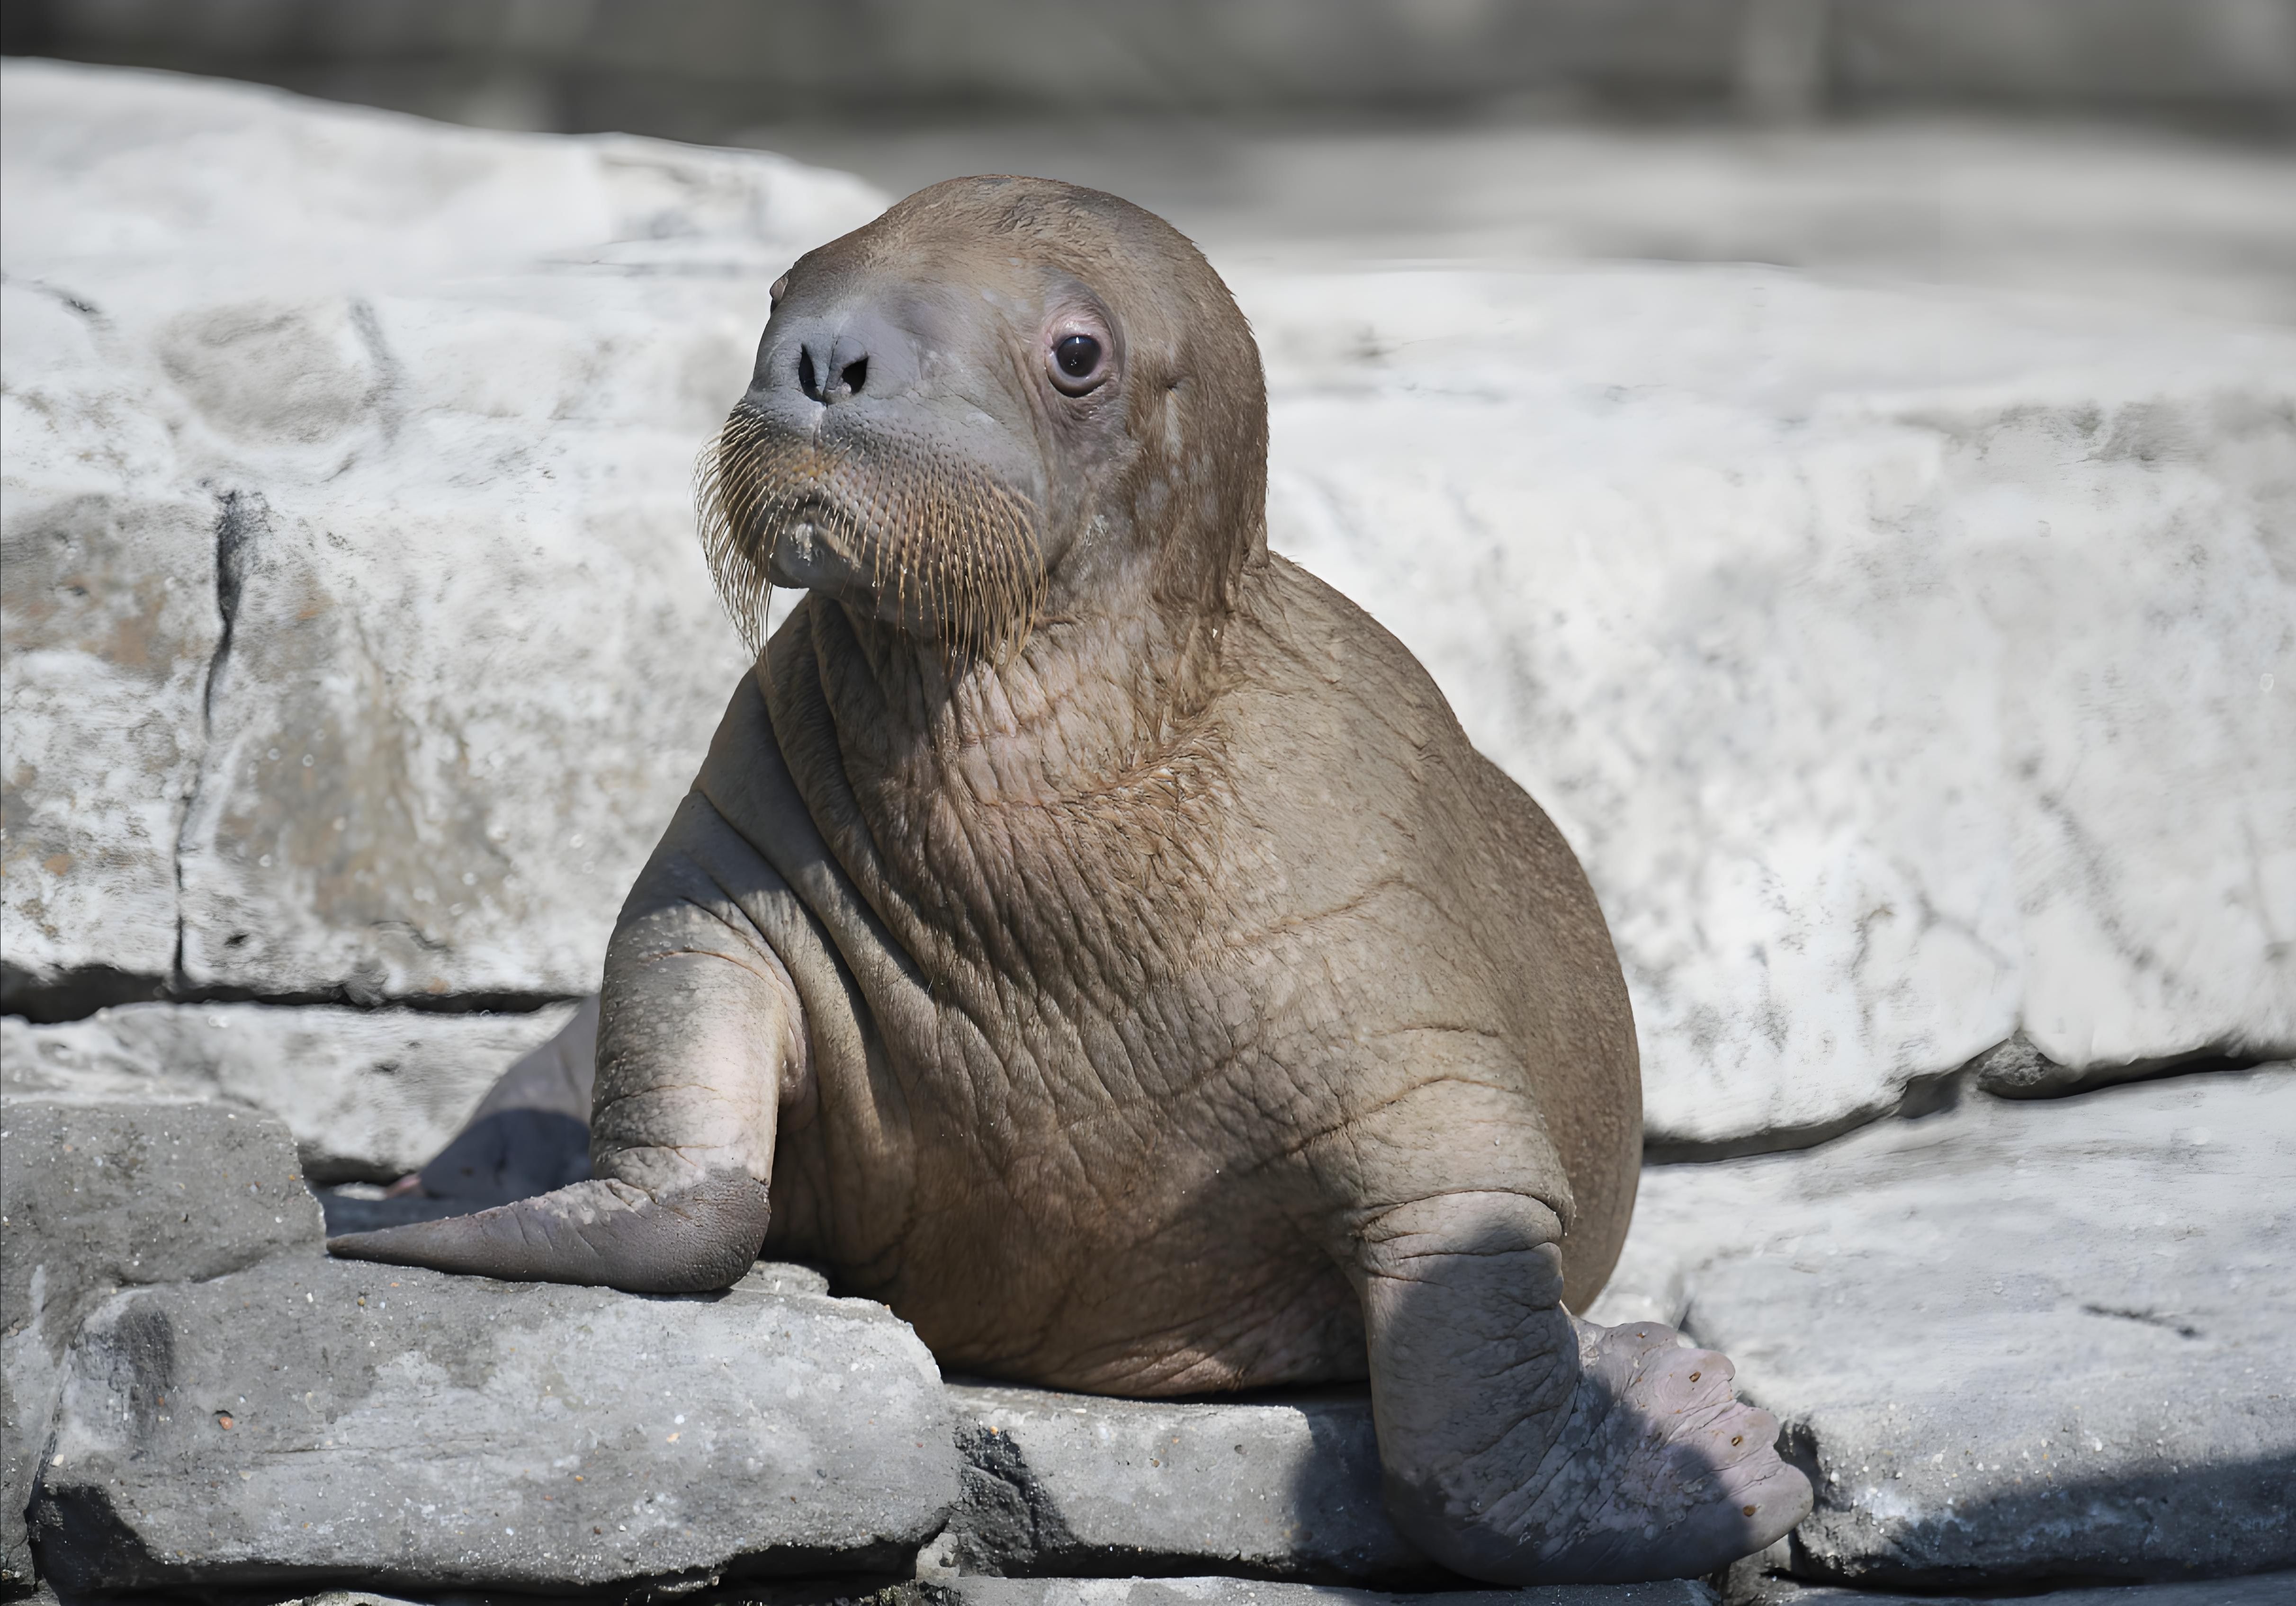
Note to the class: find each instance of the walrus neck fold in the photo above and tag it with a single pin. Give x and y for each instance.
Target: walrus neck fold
(1090, 698)
(1084, 777)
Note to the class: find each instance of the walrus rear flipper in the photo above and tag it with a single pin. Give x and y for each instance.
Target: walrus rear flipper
(603, 1233)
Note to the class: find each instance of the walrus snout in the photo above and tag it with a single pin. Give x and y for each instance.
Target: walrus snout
(881, 460)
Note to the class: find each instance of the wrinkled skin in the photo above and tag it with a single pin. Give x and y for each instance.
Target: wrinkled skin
(1141, 939)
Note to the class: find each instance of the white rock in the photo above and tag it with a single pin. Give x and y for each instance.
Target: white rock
(369, 1095)
(2018, 1342)
(109, 617)
(357, 638)
(1910, 669)
(1906, 666)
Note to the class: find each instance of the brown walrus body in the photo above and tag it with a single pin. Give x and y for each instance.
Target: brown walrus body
(1133, 1038)
(1103, 940)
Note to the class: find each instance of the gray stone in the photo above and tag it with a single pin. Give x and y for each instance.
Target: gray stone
(1248, 1591)
(310, 1420)
(95, 1195)
(531, 1132)
(370, 1094)
(1063, 1483)
(2016, 1069)
(847, 1591)
(2014, 1341)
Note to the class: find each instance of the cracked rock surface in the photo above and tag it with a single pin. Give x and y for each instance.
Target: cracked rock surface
(2015, 1341)
(405, 1428)
(2271, 1589)
(1061, 1483)
(1248, 1591)
(346, 496)
(1200, 1591)
(96, 1195)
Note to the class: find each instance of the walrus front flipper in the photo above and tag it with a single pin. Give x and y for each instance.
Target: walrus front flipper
(603, 1233)
(699, 1036)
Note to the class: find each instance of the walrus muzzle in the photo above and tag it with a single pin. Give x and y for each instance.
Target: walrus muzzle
(919, 538)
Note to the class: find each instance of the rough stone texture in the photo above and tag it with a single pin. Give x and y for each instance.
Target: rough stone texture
(1061, 1483)
(110, 620)
(1247, 1592)
(1907, 667)
(2013, 1342)
(95, 1194)
(314, 1420)
(357, 641)
(370, 1094)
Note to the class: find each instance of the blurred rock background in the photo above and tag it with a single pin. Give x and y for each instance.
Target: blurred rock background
(2127, 148)
(696, 70)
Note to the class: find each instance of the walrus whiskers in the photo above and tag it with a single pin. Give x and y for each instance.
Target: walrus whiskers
(959, 556)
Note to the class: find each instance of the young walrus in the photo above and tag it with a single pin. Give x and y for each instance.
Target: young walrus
(1100, 937)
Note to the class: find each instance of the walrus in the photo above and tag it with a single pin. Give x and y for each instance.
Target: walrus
(1094, 937)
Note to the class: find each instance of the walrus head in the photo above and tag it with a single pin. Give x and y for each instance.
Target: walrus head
(1006, 400)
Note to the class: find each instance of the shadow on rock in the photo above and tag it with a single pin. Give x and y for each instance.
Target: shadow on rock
(510, 1154)
(531, 1134)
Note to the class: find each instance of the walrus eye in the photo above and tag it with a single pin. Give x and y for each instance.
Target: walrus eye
(1080, 355)
(1075, 363)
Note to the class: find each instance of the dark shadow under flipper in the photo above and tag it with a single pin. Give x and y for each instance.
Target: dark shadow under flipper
(509, 1154)
(346, 1214)
(531, 1134)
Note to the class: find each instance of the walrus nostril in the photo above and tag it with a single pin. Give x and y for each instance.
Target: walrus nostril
(845, 373)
